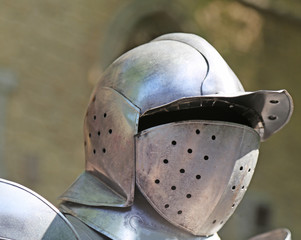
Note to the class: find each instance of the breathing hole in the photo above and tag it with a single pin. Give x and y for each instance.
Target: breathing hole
(197, 131)
(85, 143)
(180, 212)
(206, 157)
(233, 187)
(103, 150)
(94, 117)
(98, 133)
(214, 221)
(173, 142)
(272, 117)
(94, 98)
(165, 161)
(104, 115)
(157, 181)
(182, 170)
(213, 137)
(243, 187)
(110, 131)
(166, 206)
(198, 176)
(233, 205)
(90, 135)
(222, 222)
(94, 151)
(274, 101)
(249, 170)
(241, 168)
(188, 195)
(173, 188)
(189, 150)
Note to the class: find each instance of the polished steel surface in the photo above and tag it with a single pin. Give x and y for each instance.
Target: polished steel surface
(110, 124)
(278, 234)
(220, 78)
(180, 65)
(157, 73)
(172, 73)
(26, 215)
(195, 173)
(268, 110)
(140, 221)
(172, 68)
(85, 232)
(90, 190)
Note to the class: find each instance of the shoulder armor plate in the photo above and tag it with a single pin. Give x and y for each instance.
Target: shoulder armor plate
(26, 215)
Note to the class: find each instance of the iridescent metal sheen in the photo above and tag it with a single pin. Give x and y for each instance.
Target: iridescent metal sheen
(173, 73)
(174, 67)
(140, 221)
(26, 215)
(195, 173)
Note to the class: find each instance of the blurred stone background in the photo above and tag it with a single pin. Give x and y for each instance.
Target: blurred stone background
(52, 52)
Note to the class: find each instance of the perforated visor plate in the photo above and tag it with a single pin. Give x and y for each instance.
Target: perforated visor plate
(194, 173)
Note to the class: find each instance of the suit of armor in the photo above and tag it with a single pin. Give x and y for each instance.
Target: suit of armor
(171, 143)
